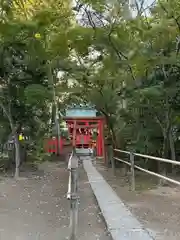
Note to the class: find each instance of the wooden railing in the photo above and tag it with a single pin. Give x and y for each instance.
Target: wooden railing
(72, 193)
(133, 166)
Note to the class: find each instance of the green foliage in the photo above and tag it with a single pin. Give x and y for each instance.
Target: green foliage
(133, 79)
(30, 44)
(36, 94)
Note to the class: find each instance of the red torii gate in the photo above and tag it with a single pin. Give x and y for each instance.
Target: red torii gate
(79, 129)
(84, 138)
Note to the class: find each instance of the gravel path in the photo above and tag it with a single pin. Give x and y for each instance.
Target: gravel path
(158, 209)
(35, 207)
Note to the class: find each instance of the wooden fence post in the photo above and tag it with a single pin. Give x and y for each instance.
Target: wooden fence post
(74, 205)
(112, 160)
(73, 193)
(132, 172)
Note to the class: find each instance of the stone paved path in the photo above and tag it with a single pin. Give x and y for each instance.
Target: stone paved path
(36, 207)
(120, 221)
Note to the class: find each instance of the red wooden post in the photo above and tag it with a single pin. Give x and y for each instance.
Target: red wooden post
(74, 134)
(102, 139)
(99, 140)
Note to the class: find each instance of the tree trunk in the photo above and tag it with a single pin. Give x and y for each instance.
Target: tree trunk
(113, 137)
(172, 149)
(17, 148)
(16, 141)
(166, 128)
(165, 150)
(17, 155)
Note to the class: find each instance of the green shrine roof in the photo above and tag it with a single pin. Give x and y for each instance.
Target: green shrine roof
(81, 110)
(81, 106)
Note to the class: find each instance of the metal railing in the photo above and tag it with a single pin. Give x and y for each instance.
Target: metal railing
(72, 194)
(133, 166)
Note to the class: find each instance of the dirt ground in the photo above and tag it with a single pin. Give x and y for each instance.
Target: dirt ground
(35, 207)
(158, 208)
